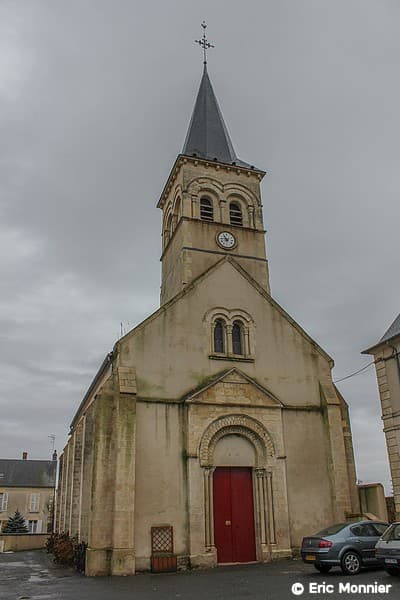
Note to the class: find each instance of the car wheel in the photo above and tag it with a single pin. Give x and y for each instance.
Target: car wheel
(393, 571)
(350, 563)
(323, 568)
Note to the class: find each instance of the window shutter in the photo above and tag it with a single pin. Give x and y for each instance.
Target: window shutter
(3, 501)
(34, 503)
(39, 526)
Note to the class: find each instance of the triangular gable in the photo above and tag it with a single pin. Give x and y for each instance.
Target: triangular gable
(281, 310)
(233, 388)
(252, 282)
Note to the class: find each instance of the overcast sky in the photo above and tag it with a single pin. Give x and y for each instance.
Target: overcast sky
(95, 100)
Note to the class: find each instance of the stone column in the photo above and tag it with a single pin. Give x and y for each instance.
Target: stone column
(186, 204)
(224, 210)
(269, 494)
(200, 509)
(262, 516)
(229, 344)
(195, 207)
(251, 216)
(209, 509)
(246, 341)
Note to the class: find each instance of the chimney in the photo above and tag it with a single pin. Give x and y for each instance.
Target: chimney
(55, 455)
(24, 455)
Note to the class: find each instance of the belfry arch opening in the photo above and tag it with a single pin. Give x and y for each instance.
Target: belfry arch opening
(206, 209)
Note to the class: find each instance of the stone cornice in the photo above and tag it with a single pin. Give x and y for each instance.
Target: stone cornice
(194, 160)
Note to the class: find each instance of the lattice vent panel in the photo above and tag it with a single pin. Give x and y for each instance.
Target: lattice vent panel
(162, 539)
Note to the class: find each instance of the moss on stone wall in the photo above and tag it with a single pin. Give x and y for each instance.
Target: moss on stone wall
(144, 387)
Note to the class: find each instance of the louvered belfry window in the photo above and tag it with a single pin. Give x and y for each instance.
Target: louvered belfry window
(235, 213)
(206, 210)
(237, 342)
(219, 336)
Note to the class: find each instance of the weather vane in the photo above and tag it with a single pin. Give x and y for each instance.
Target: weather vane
(204, 43)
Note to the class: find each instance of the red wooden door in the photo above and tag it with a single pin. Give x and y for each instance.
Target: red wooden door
(234, 514)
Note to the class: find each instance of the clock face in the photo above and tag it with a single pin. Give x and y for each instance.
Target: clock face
(226, 240)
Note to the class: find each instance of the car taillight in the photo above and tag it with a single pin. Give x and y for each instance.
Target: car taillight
(325, 544)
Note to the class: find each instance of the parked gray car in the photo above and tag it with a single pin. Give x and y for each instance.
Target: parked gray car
(349, 546)
(388, 549)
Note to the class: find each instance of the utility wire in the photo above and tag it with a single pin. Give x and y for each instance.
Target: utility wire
(355, 373)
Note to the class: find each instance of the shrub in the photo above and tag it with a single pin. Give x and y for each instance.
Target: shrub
(63, 549)
(67, 550)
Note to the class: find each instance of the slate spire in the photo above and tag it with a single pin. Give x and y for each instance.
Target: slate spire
(207, 136)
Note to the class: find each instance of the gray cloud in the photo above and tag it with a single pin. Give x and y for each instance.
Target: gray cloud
(95, 99)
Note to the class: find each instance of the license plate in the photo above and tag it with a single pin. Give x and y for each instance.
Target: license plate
(310, 557)
(391, 561)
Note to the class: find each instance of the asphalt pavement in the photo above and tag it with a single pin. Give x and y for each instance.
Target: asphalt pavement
(33, 576)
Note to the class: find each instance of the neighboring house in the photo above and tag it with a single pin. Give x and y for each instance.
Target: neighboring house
(386, 353)
(28, 486)
(213, 430)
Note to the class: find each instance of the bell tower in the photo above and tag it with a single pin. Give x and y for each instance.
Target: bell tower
(211, 203)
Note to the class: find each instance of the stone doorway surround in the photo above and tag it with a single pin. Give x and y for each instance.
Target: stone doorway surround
(206, 428)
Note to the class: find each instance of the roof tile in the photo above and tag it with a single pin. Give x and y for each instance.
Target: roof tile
(27, 473)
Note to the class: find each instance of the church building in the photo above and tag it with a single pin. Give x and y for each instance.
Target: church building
(212, 432)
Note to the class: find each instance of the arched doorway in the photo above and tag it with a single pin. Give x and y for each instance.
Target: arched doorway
(235, 453)
(233, 500)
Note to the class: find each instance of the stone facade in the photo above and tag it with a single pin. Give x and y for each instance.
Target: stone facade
(174, 402)
(387, 364)
(28, 486)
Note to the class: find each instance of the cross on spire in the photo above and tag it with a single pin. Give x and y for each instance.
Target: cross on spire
(204, 43)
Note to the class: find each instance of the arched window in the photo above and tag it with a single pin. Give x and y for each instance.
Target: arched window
(235, 214)
(168, 229)
(206, 210)
(219, 335)
(177, 208)
(237, 338)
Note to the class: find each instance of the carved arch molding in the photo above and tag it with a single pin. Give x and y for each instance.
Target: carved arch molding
(242, 425)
